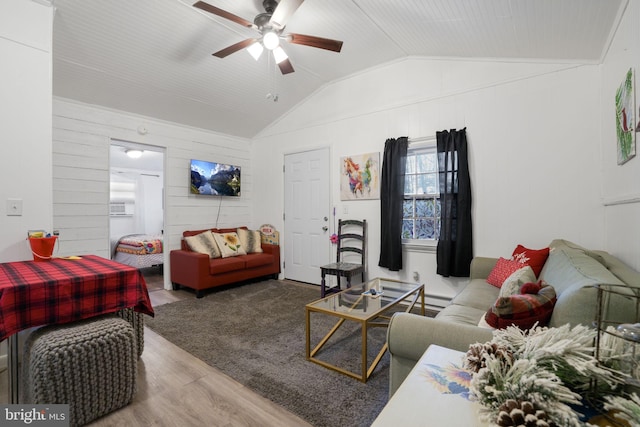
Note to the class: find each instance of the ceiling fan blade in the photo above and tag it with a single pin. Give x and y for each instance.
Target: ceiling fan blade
(223, 14)
(313, 41)
(283, 12)
(286, 67)
(234, 48)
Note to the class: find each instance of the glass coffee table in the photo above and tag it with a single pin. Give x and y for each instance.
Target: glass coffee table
(368, 304)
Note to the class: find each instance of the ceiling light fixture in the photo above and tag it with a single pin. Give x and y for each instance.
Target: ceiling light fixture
(279, 55)
(255, 50)
(134, 154)
(271, 40)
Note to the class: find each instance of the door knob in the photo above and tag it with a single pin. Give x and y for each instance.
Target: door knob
(325, 228)
(326, 219)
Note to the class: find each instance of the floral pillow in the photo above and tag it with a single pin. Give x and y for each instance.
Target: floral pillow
(229, 244)
(250, 240)
(203, 243)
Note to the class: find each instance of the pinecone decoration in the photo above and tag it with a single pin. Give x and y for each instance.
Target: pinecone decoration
(477, 355)
(522, 414)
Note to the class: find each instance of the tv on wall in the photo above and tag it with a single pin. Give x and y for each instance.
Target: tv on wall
(214, 179)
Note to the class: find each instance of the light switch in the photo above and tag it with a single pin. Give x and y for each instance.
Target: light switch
(14, 207)
(345, 209)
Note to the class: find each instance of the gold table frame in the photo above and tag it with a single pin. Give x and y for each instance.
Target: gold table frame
(366, 321)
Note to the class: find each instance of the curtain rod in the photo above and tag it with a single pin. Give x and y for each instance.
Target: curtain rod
(422, 139)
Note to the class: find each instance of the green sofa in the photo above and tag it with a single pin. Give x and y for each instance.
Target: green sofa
(570, 269)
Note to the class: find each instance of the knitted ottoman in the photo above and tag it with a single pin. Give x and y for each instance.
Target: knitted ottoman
(137, 322)
(91, 365)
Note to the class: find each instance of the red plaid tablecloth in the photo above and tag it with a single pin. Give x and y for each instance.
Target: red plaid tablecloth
(65, 290)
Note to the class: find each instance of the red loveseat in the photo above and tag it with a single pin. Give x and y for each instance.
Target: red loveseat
(199, 272)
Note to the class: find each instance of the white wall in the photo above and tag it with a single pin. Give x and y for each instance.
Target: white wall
(533, 132)
(152, 203)
(81, 138)
(148, 205)
(25, 120)
(621, 183)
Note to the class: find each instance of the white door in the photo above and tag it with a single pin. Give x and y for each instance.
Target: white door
(306, 215)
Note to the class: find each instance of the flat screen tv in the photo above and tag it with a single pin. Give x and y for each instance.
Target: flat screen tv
(214, 179)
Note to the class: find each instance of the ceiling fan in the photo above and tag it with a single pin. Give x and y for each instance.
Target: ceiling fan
(271, 26)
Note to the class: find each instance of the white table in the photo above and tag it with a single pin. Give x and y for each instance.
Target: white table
(434, 394)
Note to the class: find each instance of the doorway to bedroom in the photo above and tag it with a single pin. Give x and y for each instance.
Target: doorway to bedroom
(136, 208)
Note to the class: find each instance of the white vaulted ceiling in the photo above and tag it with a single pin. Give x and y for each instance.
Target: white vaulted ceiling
(153, 57)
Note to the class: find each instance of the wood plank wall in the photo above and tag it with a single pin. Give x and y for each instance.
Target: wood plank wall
(81, 138)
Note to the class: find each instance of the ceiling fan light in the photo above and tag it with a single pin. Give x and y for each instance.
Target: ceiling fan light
(255, 50)
(271, 40)
(134, 154)
(279, 55)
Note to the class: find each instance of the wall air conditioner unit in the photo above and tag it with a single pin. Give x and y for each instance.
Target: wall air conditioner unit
(121, 208)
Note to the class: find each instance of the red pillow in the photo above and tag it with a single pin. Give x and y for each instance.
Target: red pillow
(532, 257)
(503, 269)
(531, 288)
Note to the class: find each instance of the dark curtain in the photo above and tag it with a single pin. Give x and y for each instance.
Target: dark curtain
(455, 244)
(391, 198)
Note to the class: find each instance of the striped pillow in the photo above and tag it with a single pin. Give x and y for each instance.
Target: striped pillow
(250, 240)
(204, 243)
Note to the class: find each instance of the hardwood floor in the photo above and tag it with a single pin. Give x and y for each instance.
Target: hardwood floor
(177, 389)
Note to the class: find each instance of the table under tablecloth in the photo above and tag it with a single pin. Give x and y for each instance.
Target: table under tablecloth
(66, 290)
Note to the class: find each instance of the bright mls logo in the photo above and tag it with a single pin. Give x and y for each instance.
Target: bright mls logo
(34, 415)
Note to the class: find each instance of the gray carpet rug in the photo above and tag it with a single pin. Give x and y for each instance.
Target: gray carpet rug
(255, 333)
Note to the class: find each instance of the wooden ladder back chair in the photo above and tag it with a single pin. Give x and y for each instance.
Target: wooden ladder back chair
(350, 254)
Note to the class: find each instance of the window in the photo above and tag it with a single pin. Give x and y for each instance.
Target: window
(421, 207)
